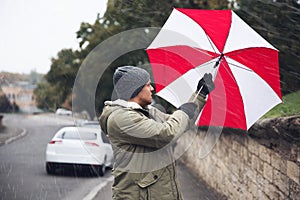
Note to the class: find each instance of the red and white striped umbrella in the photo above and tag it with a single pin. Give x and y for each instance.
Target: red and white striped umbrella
(245, 66)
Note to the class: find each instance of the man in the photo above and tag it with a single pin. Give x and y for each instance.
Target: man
(142, 136)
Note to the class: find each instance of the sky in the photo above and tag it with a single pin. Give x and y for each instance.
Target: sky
(34, 31)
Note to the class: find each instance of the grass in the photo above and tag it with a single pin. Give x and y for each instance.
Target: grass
(290, 106)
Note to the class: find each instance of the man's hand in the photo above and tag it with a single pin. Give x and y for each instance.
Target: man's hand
(205, 85)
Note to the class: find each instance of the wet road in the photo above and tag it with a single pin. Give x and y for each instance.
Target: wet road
(22, 163)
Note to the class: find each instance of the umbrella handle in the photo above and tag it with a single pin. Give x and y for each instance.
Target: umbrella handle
(194, 100)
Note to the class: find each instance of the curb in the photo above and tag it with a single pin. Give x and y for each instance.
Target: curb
(11, 139)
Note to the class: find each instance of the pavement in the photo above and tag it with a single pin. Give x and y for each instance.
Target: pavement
(192, 187)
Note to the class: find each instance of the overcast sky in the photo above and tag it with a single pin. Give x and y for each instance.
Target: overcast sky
(33, 31)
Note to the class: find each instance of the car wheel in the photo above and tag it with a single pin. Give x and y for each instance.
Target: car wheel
(98, 170)
(101, 170)
(50, 168)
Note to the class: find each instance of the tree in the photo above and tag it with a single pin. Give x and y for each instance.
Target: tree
(278, 22)
(5, 105)
(60, 80)
(48, 96)
(34, 77)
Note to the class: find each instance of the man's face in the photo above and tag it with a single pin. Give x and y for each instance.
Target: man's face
(144, 98)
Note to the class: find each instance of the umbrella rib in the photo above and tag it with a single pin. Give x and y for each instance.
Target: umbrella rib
(234, 66)
(210, 42)
(207, 63)
(201, 51)
(250, 70)
(229, 73)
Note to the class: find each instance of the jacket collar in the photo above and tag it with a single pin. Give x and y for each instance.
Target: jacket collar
(126, 104)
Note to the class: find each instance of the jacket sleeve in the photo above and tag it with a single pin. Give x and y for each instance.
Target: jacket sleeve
(135, 128)
(130, 126)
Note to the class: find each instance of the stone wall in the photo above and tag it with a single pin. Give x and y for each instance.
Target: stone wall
(263, 163)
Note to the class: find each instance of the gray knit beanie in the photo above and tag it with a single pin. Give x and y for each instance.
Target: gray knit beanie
(129, 81)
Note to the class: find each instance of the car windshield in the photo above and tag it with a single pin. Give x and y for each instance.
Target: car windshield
(78, 135)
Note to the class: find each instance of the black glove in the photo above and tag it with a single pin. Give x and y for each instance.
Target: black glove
(207, 83)
(189, 108)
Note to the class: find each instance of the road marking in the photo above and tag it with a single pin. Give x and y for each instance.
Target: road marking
(93, 193)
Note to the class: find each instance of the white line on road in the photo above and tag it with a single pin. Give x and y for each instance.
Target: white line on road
(96, 189)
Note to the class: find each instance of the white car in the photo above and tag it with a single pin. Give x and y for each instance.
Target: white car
(62, 111)
(79, 146)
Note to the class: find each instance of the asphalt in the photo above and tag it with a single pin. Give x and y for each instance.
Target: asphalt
(192, 187)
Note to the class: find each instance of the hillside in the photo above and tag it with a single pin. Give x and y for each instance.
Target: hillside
(290, 106)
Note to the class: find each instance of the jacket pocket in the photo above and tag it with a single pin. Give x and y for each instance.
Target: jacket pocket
(150, 178)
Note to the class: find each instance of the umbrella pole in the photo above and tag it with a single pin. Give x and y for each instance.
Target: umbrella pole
(216, 67)
(198, 93)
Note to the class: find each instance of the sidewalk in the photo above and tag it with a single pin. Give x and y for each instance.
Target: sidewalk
(194, 188)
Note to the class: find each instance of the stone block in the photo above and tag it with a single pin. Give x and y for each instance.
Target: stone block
(273, 193)
(261, 195)
(264, 154)
(252, 188)
(261, 182)
(270, 189)
(245, 155)
(253, 146)
(260, 166)
(235, 164)
(278, 162)
(293, 171)
(227, 190)
(268, 172)
(247, 196)
(254, 162)
(241, 172)
(281, 181)
(236, 146)
(226, 139)
(236, 193)
(251, 174)
(294, 190)
(279, 195)
(257, 164)
(219, 149)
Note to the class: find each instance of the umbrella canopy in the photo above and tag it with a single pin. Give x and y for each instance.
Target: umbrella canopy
(245, 66)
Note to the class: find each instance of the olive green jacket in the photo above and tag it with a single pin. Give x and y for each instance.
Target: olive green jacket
(143, 141)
